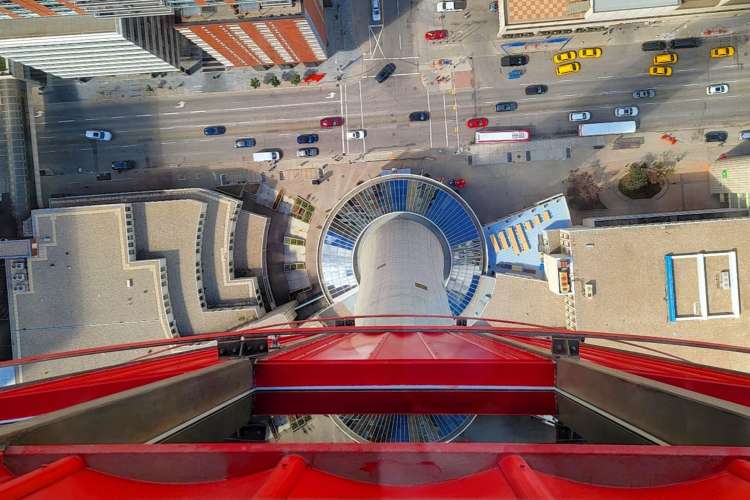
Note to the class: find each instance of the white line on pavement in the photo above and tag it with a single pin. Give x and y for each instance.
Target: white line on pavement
(341, 104)
(171, 113)
(445, 112)
(362, 117)
(455, 106)
(66, 121)
(345, 128)
(117, 117)
(142, 116)
(395, 74)
(198, 111)
(389, 58)
(430, 120)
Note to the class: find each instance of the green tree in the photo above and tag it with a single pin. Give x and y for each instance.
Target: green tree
(274, 81)
(636, 178)
(296, 79)
(255, 83)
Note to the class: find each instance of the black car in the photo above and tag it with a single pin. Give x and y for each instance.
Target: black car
(384, 73)
(536, 89)
(419, 116)
(506, 106)
(247, 142)
(119, 166)
(308, 152)
(215, 130)
(685, 43)
(519, 60)
(307, 138)
(716, 136)
(654, 45)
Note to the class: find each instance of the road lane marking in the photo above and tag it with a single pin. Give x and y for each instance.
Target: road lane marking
(445, 112)
(66, 121)
(430, 113)
(362, 117)
(198, 111)
(455, 107)
(117, 117)
(341, 105)
(390, 58)
(142, 116)
(396, 74)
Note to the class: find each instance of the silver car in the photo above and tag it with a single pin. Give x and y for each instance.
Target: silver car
(579, 116)
(644, 93)
(626, 111)
(98, 135)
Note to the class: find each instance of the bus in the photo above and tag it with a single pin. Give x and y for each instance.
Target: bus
(502, 136)
(607, 128)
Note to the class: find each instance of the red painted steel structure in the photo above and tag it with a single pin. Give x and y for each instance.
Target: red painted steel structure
(372, 471)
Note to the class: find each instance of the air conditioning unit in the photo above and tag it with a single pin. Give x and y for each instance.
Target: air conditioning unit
(589, 289)
(724, 280)
(18, 265)
(20, 288)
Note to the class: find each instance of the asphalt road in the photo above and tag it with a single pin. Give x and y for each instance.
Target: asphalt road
(168, 132)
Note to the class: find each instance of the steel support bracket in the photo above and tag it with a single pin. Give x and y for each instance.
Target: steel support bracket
(254, 347)
(566, 346)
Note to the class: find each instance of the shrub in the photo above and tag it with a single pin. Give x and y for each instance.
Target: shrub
(255, 83)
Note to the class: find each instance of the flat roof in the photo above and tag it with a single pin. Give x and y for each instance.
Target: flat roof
(30, 27)
(227, 12)
(627, 267)
(523, 11)
(83, 289)
(731, 175)
(614, 5)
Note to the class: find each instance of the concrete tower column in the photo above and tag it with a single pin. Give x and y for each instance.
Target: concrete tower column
(401, 272)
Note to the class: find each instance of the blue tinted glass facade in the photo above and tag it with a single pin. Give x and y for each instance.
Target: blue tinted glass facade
(411, 194)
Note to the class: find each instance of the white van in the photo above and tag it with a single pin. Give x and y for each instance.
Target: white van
(267, 156)
(376, 11)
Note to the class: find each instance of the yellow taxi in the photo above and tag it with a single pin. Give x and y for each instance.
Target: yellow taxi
(564, 56)
(660, 71)
(591, 52)
(667, 58)
(722, 52)
(564, 69)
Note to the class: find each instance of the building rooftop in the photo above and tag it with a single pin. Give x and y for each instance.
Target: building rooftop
(524, 11)
(56, 26)
(634, 261)
(223, 12)
(614, 5)
(83, 289)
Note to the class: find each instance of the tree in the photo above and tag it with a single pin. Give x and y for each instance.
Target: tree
(636, 178)
(583, 190)
(660, 172)
(274, 81)
(255, 83)
(296, 79)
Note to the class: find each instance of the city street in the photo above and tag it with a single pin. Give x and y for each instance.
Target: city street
(167, 131)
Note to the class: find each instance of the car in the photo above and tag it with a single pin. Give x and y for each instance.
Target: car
(717, 88)
(685, 43)
(653, 45)
(564, 56)
(247, 142)
(455, 6)
(642, 94)
(564, 69)
(579, 116)
(506, 106)
(98, 135)
(719, 52)
(535, 89)
(589, 53)
(385, 72)
(215, 130)
(626, 111)
(666, 58)
(119, 166)
(419, 116)
(436, 35)
(331, 121)
(476, 122)
(307, 138)
(660, 71)
(308, 152)
(745, 135)
(376, 11)
(356, 134)
(716, 136)
(517, 60)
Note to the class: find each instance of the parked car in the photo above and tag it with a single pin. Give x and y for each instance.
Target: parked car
(716, 136)
(589, 53)
(436, 35)
(119, 166)
(247, 142)
(98, 135)
(270, 155)
(660, 71)
(385, 72)
(685, 43)
(745, 135)
(307, 138)
(720, 52)
(654, 45)
(517, 60)
(506, 106)
(535, 89)
(215, 130)
(376, 11)
(308, 152)
(564, 56)
(419, 116)
(626, 111)
(665, 58)
(356, 134)
(331, 121)
(579, 116)
(476, 122)
(717, 88)
(454, 6)
(564, 69)
(645, 93)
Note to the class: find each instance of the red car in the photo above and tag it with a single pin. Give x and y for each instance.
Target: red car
(331, 121)
(476, 122)
(436, 35)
